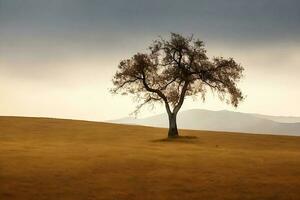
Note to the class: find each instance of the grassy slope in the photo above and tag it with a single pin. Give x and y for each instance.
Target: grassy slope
(70, 160)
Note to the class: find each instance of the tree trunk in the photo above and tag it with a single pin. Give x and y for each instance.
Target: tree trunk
(173, 132)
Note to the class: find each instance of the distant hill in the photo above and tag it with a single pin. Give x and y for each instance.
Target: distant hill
(282, 119)
(223, 120)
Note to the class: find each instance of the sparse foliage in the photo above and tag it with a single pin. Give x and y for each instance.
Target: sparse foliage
(175, 69)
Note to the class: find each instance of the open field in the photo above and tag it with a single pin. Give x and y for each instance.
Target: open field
(70, 160)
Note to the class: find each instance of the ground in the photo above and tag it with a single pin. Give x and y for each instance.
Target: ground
(54, 159)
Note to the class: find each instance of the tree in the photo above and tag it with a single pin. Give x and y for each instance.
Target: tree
(173, 70)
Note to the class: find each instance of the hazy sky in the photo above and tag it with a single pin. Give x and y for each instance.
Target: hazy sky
(57, 57)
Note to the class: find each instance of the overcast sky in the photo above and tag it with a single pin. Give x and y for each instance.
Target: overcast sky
(57, 57)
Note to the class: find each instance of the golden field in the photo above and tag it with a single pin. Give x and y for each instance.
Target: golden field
(56, 159)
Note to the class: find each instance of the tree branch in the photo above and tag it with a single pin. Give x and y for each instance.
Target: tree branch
(148, 100)
(124, 83)
(165, 86)
(181, 99)
(158, 92)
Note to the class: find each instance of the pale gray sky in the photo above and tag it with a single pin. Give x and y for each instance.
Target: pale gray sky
(57, 57)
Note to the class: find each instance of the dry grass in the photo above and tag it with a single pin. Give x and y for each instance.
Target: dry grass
(70, 160)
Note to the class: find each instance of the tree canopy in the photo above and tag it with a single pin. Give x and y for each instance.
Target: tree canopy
(175, 69)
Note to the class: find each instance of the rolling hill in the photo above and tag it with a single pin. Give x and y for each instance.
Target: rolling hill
(46, 159)
(223, 121)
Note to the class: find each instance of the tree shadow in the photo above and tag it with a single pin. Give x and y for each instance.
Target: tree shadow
(184, 139)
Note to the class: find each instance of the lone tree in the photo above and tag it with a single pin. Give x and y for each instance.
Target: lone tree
(174, 69)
